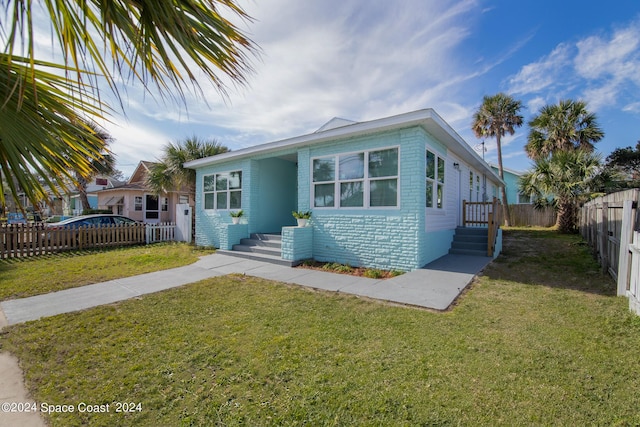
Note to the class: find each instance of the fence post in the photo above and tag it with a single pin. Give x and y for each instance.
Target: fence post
(626, 238)
(464, 213)
(604, 238)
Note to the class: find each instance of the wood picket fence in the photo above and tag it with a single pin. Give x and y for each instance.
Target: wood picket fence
(27, 240)
(610, 226)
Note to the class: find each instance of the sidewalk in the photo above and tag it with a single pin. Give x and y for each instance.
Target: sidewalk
(434, 286)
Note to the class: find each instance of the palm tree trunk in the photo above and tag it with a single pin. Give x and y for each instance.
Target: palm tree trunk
(505, 203)
(566, 222)
(82, 192)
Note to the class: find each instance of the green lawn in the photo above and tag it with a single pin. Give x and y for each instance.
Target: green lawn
(23, 277)
(540, 339)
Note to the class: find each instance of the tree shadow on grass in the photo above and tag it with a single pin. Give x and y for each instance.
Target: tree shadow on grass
(547, 258)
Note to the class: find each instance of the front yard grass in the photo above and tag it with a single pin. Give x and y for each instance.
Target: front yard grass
(24, 277)
(539, 339)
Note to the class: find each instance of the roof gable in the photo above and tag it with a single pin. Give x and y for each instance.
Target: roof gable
(141, 171)
(334, 123)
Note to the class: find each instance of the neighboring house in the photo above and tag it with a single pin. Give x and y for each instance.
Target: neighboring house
(512, 186)
(134, 200)
(96, 184)
(385, 193)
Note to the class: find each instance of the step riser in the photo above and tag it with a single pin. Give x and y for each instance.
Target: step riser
(258, 257)
(467, 252)
(472, 239)
(261, 243)
(469, 245)
(266, 237)
(257, 250)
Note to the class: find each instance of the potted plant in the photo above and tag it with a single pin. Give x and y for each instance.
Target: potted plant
(235, 216)
(301, 217)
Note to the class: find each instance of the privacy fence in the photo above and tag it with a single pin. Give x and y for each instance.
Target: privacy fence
(26, 240)
(527, 215)
(610, 225)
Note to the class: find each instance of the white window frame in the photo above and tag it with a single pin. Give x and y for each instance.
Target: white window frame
(366, 180)
(435, 182)
(137, 203)
(215, 192)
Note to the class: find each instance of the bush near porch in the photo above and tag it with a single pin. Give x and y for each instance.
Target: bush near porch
(539, 339)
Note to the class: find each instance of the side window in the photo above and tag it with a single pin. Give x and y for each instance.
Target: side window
(435, 174)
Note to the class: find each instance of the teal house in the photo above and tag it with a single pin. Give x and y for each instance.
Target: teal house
(512, 186)
(386, 193)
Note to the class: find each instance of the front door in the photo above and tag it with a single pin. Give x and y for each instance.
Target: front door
(151, 209)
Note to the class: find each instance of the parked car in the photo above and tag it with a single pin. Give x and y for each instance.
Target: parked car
(83, 221)
(16, 218)
(95, 220)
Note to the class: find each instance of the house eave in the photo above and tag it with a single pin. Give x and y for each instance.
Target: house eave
(428, 119)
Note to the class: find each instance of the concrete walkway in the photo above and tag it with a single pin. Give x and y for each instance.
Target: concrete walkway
(435, 286)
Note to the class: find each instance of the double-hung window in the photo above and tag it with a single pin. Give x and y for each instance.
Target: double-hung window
(435, 181)
(223, 190)
(356, 180)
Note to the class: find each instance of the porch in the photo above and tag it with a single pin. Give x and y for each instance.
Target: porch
(479, 235)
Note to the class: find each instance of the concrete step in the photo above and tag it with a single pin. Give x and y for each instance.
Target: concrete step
(257, 249)
(272, 259)
(472, 231)
(274, 237)
(470, 241)
(468, 252)
(472, 238)
(476, 246)
(262, 243)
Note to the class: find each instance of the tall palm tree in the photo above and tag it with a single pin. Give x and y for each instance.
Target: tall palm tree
(105, 165)
(561, 127)
(164, 44)
(570, 176)
(496, 117)
(169, 174)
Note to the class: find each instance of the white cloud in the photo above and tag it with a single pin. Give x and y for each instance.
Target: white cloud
(634, 107)
(605, 66)
(344, 60)
(535, 104)
(541, 74)
(617, 56)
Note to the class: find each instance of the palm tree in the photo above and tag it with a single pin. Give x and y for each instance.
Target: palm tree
(43, 103)
(103, 166)
(169, 174)
(570, 176)
(561, 127)
(497, 116)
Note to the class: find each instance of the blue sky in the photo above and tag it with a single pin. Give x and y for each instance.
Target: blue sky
(368, 59)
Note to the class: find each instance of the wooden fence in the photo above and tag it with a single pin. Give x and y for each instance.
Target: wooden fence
(26, 240)
(527, 215)
(608, 224)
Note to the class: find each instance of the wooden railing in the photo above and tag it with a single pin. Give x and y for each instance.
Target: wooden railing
(27, 240)
(484, 214)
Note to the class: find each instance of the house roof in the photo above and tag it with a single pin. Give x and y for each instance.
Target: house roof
(337, 128)
(511, 171)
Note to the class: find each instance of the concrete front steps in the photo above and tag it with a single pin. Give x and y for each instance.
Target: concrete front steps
(470, 241)
(261, 247)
